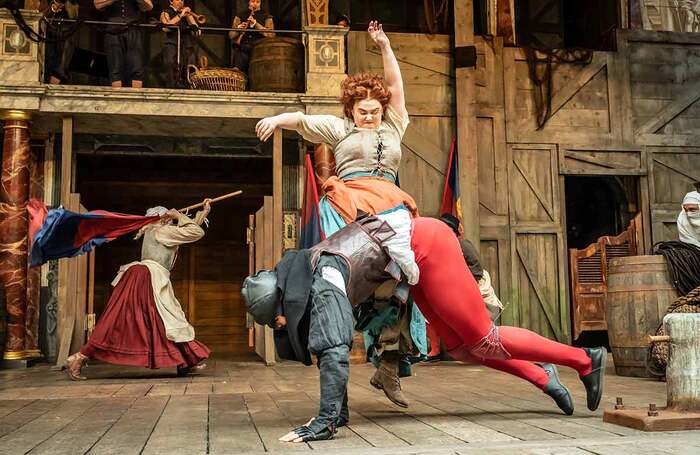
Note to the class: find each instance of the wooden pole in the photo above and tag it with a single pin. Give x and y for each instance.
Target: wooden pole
(216, 199)
(466, 120)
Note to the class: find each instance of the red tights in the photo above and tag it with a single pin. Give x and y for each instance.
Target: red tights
(449, 298)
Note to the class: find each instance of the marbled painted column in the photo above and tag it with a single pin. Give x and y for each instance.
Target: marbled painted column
(14, 192)
(31, 320)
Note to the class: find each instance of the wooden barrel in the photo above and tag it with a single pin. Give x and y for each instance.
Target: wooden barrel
(639, 292)
(277, 65)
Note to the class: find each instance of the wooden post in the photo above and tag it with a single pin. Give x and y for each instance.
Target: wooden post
(277, 218)
(66, 314)
(683, 370)
(466, 120)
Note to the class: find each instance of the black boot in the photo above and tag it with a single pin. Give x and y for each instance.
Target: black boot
(556, 389)
(593, 381)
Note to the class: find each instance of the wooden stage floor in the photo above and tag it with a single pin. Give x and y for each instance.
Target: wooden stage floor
(242, 407)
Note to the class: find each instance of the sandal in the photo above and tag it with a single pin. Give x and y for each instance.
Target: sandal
(74, 365)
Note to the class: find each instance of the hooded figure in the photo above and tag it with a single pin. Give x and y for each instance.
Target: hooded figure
(689, 219)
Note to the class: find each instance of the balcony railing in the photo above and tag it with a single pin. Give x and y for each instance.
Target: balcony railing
(293, 61)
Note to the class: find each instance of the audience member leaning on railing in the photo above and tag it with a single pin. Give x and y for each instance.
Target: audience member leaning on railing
(124, 44)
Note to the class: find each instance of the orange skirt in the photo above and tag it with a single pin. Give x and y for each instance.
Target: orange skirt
(372, 195)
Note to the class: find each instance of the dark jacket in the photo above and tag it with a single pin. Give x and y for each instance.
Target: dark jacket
(294, 278)
(471, 256)
(360, 244)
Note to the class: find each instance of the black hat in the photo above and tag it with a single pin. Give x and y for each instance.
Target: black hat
(451, 220)
(262, 297)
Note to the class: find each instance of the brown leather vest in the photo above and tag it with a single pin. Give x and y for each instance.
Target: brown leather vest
(360, 243)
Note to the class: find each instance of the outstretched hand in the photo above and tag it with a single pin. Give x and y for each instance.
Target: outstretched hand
(377, 34)
(265, 128)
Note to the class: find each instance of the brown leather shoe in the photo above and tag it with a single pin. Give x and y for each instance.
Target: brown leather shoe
(386, 378)
(74, 366)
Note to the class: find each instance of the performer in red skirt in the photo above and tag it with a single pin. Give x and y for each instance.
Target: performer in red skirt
(449, 298)
(143, 324)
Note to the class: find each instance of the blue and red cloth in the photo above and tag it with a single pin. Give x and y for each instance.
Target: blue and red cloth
(311, 231)
(451, 202)
(60, 233)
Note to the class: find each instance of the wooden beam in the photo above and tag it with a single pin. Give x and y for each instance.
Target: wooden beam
(277, 219)
(66, 159)
(66, 313)
(465, 90)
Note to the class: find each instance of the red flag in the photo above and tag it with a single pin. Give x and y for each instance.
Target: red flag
(311, 232)
(451, 202)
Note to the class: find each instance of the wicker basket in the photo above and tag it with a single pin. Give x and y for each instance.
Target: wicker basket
(223, 79)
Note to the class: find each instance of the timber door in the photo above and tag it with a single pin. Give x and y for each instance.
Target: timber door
(538, 301)
(263, 250)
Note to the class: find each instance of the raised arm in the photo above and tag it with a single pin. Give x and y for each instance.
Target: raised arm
(392, 72)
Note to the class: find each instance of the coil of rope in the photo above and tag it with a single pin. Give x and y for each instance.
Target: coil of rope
(683, 260)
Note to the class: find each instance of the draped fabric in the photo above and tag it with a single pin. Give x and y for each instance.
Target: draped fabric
(60, 233)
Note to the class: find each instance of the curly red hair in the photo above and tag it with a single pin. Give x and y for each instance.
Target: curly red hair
(360, 87)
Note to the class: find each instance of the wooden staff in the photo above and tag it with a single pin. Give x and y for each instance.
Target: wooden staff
(216, 199)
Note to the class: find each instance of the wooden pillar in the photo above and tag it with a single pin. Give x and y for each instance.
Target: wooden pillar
(14, 194)
(66, 313)
(466, 118)
(683, 370)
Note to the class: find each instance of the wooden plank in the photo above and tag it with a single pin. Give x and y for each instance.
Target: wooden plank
(26, 414)
(684, 99)
(182, 427)
(574, 86)
(10, 406)
(66, 315)
(231, 428)
(277, 215)
(43, 427)
(271, 423)
(131, 432)
(466, 123)
(81, 434)
(269, 253)
(298, 409)
(168, 389)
